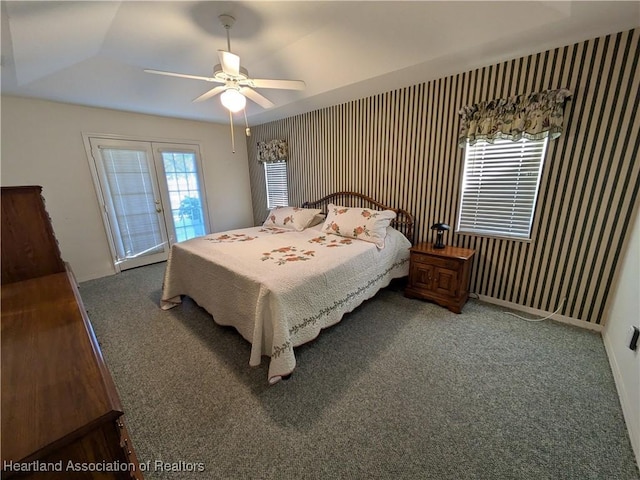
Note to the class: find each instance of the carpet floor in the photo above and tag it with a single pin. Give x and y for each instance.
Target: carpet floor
(400, 389)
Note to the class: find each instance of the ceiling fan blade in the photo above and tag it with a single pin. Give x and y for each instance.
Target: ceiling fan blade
(256, 97)
(283, 84)
(211, 93)
(182, 75)
(230, 63)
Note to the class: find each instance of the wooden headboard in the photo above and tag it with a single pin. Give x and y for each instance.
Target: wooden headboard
(403, 221)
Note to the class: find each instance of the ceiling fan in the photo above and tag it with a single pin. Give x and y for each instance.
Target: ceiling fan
(237, 85)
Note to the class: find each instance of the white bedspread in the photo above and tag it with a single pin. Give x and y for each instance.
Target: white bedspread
(279, 287)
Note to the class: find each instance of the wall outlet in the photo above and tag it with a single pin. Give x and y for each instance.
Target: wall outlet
(633, 344)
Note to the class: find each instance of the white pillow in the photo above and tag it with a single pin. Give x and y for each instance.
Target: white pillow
(317, 220)
(361, 223)
(295, 218)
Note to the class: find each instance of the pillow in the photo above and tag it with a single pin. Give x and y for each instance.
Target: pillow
(361, 223)
(317, 220)
(316, 228)
(295, 218)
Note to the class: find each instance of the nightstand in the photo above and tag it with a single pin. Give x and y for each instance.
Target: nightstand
(440, 275)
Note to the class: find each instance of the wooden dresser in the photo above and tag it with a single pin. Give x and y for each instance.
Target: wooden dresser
(440, 275)
(61, 414)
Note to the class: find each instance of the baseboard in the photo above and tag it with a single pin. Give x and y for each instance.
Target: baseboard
(634, 429)
(539, 313)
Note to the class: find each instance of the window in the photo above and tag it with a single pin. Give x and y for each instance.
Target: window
(275, 174)
(183, 186)
(500, 187)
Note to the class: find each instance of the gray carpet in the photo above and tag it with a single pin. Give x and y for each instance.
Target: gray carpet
(400, 389)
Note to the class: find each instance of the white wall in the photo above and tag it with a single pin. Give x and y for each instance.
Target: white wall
(623, 312)
(42, 145)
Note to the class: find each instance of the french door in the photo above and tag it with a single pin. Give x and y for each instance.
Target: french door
(151, 194)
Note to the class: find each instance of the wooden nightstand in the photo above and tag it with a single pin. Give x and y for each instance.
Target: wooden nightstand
(440, 275)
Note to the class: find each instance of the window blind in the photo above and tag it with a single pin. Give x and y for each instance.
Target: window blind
(276, 179)
(130, 185)
(500, 187)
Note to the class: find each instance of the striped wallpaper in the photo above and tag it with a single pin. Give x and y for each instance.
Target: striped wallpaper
(400, 148)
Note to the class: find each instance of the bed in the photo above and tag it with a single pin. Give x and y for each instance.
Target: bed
(281, 283)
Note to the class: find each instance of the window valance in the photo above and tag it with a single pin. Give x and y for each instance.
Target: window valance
(273, 151)
(533, 116)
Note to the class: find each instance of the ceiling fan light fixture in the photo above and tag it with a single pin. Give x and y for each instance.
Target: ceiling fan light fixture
(233, 100)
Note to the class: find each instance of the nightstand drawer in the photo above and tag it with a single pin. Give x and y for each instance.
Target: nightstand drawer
(436, 261)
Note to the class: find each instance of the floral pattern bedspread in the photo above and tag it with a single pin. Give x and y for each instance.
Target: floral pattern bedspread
(280, 287)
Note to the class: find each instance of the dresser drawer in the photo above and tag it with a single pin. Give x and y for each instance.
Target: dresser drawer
(127, 448)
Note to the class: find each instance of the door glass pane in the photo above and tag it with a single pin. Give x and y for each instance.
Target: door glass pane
(184, 194)
(133, 201)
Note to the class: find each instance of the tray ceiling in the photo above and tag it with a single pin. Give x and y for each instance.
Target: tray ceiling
(94, 53)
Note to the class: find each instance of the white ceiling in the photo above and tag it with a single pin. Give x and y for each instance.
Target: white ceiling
(94, 52)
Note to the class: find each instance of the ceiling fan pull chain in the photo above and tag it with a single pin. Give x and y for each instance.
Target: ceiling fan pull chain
(233, 141)
(246, 122)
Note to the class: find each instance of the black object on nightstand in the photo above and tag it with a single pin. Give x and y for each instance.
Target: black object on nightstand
(440, 227)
